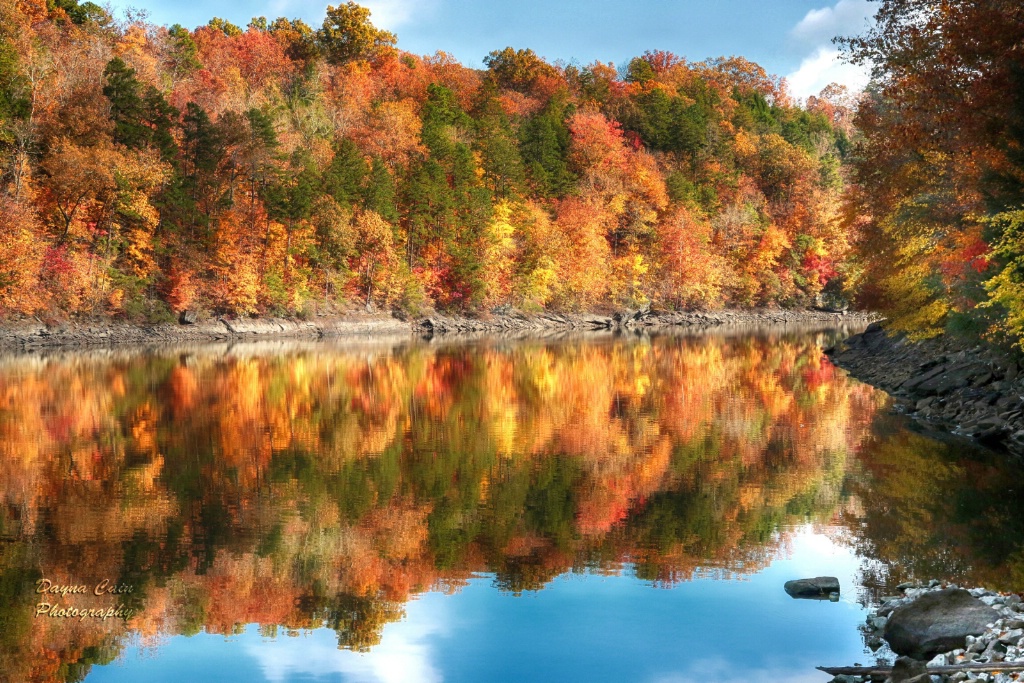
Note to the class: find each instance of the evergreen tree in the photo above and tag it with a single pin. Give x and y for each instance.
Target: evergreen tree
(379, 193)
(544, 142)
(344, 177)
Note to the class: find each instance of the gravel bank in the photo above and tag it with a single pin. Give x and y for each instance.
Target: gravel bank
(1000, 642)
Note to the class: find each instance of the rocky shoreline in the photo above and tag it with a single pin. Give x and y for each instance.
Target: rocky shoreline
(945, 382)
(32, 335)
(947, 634)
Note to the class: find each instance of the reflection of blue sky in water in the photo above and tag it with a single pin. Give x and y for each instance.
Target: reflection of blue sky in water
(578, 628)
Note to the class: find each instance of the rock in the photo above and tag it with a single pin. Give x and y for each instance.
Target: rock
(888, 606)
(914, 382)
(956, 377)
(995, 651)
(816, 588)
(187, 318)
(906, 669)
(937, 622)
(924, 678)
(1013, 636)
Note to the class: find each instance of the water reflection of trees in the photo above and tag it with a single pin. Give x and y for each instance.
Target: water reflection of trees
(937, 510)
(324, 486)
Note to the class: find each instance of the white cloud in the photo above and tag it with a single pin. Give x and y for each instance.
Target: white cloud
(825, 65)
(390, 14)
(847, 18)
(385, 14)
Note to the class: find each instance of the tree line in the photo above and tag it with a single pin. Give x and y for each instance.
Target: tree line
(281, 169)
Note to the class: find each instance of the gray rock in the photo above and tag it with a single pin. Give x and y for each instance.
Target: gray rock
(937, 622)
(995, 651)
(914, 382)
(1013, 636)
(188, 318)
(906, 669)
(956, 377)
(816, 588)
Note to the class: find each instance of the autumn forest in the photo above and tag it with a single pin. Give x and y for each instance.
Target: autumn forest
(278, 168)
(285, 169)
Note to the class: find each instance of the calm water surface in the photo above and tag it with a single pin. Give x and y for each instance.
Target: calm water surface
(596, 509)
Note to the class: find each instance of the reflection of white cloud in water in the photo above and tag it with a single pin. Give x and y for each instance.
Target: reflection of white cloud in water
(403, 655)
(720, 670)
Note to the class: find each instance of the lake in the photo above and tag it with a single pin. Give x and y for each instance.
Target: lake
(593, 508)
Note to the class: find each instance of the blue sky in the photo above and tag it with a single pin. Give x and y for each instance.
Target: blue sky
(788, 37)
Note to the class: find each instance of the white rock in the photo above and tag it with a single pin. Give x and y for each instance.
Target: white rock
(939, 660)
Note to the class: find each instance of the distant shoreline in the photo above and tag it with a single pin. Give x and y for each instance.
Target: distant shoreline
(32, 335)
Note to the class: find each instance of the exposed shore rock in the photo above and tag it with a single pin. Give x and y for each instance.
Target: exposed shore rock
(818, 588)
(633, 320)
(945, 382)
(33, 334)
(937, 622)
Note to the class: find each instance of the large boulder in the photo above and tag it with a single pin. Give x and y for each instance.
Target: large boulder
(936, 622)
(817, 588)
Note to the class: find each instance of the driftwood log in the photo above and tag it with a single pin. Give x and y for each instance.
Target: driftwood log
(951, 669)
